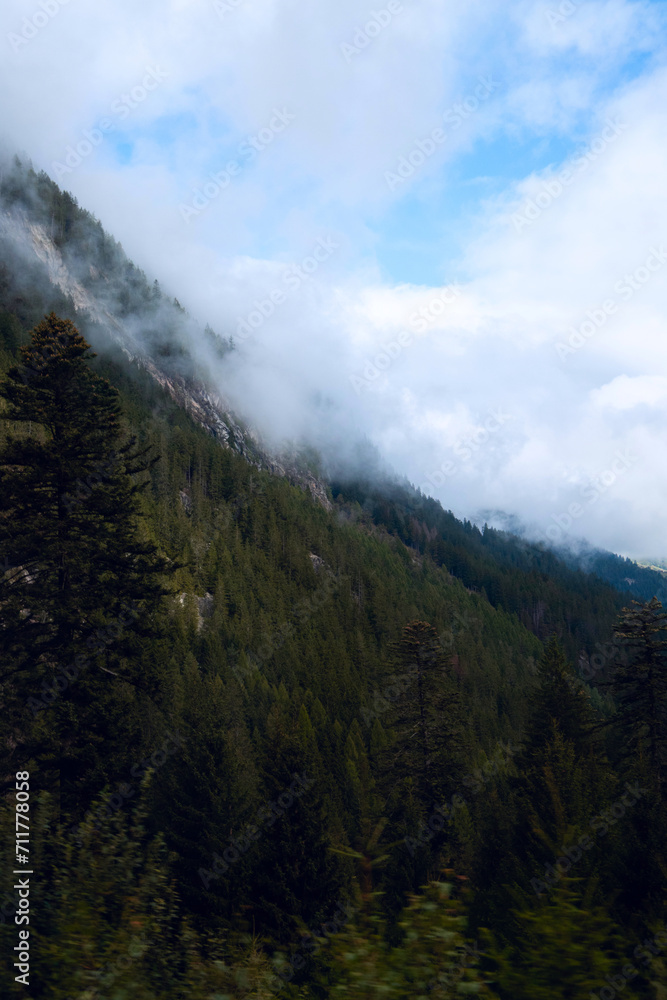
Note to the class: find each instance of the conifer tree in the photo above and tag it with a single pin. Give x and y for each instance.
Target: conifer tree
(640, 689)
(562, 779)
(560, 703)
(560, 767)
(565, 949)
(639, 743)
(79, 583)
(426, 716)
(294, 874)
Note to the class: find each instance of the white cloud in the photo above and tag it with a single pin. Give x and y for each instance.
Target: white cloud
(624, 393)
(598, 28)
(522, 289)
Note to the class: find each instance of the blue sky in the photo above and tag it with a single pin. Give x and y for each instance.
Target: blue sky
(188, 84)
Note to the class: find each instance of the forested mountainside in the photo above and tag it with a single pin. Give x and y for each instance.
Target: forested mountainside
(642, 581)
(297, 742)
(54, 255)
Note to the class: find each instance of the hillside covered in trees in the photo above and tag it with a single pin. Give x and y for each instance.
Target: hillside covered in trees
(281, 745)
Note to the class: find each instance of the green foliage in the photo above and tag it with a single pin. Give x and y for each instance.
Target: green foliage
(433, 958)
(640, 689)
(78, 580)
(105, 920)
(564, 949)
(425, 716)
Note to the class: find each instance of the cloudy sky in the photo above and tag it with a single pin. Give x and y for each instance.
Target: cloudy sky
(441, 226)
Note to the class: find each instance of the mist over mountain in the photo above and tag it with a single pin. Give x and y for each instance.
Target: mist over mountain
(466, 302)
(641, 578)
(51, 247)
(49, 241)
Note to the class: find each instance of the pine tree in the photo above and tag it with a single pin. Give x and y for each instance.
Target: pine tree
(564, 949)
(562, 780)
(199, 795)
(79, 584)
(294, 874)
(559, 703)
(639, 743)
(640, 689)
(111, 921)
(425, 716)
(560, 767)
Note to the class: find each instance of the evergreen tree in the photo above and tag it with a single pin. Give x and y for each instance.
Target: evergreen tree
(561, 772)
(294, 875)
(559, 703)
(565, 949)
(428, 738)
(640, 690)
(79, 583)
(562, 779)
(198, 796)
(111, 923)
(638, 740)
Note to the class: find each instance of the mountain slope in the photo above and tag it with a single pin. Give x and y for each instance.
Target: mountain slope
(55, 255)
(261, 788)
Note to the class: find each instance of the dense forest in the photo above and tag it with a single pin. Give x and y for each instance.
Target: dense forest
(351, 748)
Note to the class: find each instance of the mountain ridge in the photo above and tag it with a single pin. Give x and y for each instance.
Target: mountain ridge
(21, 231)
(77, 242)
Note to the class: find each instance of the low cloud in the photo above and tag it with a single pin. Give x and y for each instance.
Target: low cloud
(433, 366)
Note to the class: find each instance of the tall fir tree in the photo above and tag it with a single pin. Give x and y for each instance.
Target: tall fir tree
(638, 741)
(562, 779)
(425, 717)
(79, 583)
(640, 690)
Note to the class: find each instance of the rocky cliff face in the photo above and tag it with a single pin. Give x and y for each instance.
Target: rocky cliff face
(204, 402)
